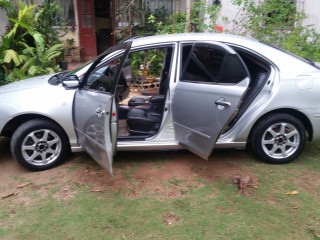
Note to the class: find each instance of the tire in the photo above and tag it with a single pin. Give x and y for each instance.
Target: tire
(278, 138)
(39, 145)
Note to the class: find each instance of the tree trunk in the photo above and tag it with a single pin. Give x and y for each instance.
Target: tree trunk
(188, 16)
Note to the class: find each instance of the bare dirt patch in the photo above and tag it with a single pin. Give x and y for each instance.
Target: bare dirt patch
(18, 183)
(163, 174)
(168, 178)
(310, 182)
(170, 218)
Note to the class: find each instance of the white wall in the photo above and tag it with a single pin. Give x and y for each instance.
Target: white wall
(229, 11)
(73, 34)
(3, 22)
(310, 7)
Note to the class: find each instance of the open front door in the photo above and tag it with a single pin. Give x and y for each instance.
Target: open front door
(94, 111)
(213, 80)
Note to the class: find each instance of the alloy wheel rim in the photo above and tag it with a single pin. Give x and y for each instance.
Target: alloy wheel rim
(41, 147)
(281, 140)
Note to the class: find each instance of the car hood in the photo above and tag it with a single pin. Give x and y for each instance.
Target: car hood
(36, 82)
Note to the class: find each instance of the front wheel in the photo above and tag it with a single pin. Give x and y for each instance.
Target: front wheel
(39, 144)
(279, 138)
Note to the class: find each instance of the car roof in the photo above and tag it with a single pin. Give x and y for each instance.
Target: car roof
(165, 38)
(278, 57)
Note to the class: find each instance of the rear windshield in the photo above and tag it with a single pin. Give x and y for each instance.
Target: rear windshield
(306, 60)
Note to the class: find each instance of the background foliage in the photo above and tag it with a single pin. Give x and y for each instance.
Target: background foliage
(203, 18)
(272, 21)
(31, 45)
(277, 22)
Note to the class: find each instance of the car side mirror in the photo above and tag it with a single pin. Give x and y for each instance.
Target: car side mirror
(70, 82)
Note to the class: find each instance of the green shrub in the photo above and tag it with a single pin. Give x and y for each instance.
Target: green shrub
(203, 18)
(277, 22)
(31, 46)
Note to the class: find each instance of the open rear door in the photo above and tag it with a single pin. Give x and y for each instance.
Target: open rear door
(95, 113)
(213, 80)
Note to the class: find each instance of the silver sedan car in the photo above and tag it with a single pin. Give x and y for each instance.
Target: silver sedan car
(196, 91)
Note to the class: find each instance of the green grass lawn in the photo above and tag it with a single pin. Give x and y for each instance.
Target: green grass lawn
(203, 208)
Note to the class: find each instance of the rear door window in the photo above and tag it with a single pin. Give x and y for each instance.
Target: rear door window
(209, 63)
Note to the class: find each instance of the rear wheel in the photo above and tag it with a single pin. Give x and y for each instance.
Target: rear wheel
(39, 144)
(278, 138)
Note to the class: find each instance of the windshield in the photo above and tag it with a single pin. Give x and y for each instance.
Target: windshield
(79, 71)
(57, 78)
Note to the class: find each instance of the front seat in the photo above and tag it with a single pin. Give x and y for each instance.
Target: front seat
(142, 122)
(146, 120)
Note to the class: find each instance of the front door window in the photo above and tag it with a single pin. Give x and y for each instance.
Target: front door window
(103, 78)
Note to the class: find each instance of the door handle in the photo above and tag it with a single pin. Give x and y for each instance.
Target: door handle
(223, 103)
(100, 112)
